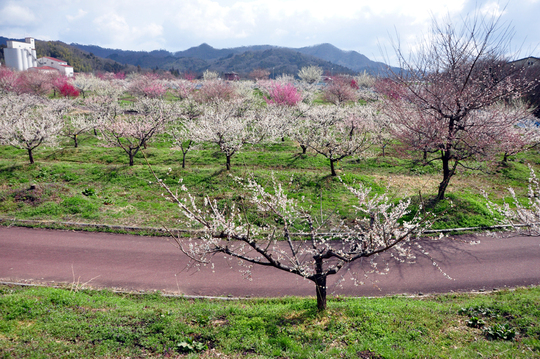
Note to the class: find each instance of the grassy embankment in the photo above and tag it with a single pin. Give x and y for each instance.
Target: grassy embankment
(59, 323)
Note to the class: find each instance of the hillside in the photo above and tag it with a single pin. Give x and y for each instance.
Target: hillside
(276, 60)
(203, 57)
(81, 61)
(351, 59)
(104, 52)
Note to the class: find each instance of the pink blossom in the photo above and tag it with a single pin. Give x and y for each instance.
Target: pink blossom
(283, 94)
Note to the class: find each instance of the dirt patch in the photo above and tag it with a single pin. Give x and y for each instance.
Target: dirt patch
(407, 186)
(36, 194)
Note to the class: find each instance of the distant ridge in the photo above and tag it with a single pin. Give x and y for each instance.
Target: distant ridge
(207, 52)
(352, 60)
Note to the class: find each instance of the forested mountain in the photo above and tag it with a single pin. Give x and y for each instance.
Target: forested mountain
(216, 58)
(104, 52)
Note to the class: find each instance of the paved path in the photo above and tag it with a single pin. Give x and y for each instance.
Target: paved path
(147, 263)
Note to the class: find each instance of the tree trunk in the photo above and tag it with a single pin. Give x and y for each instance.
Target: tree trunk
(304, 149)
(320, 285)
(185, 151)
(76, 139)
(228, 162)
(332, 168)
(30, 156)
(131, 162)
(447, 174)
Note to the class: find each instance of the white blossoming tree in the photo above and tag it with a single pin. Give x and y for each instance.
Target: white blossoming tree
(336, 132)
(180, 130)
(132, 129)
(523, 218)
(27, 122)
(231, 125)
(77, 123)
(86, 83)
(310, 74)
(295, 241)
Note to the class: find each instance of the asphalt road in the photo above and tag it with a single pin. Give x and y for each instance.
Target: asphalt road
(130, 262)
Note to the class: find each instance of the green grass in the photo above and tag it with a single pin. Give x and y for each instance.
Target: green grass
(40, 322)
(94, 184)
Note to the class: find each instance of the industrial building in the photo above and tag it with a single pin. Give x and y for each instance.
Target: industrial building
(21, 55)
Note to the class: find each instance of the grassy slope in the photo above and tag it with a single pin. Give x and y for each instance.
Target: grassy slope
(129, 196)
(46, 322)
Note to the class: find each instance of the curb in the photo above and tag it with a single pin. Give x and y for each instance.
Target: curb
(20, 284)
(162, 231)
(183, 296)
(82, 226)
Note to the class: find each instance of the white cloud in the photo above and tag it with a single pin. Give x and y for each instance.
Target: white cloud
(361, 25)
(492, 9)
(15, 15)
(113, 27)
(151, 30)
(81, 13)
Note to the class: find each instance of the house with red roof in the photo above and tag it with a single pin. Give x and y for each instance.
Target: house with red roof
(60, 65)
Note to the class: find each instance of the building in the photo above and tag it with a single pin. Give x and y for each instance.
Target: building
(21, 55)
(61, 66)
(231, 76)
(528, 61)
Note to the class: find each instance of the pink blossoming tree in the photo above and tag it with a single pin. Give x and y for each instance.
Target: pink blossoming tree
(440, 101)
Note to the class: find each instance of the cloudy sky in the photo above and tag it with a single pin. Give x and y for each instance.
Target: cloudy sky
(365, 26)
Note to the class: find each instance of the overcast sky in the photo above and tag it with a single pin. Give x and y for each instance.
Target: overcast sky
(364, 26)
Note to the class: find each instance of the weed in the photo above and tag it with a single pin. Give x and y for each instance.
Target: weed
(88, 192)
(500, 331)
(475, 322)
(190, 346)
